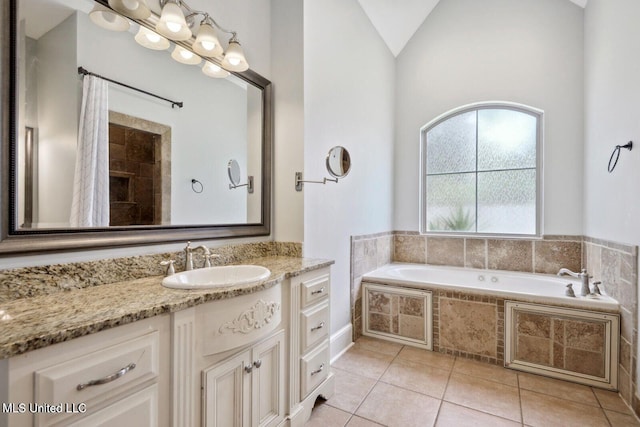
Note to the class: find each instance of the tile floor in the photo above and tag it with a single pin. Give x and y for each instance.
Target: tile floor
(383, 383)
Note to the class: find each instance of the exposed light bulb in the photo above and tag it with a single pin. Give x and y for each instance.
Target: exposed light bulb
(174, 27)
(136, 9)
(185, 56)
(172, 22)
(213, 70)
(110, 17)
(234, 61)
(151, 40)
(152, 37)
(206, 45)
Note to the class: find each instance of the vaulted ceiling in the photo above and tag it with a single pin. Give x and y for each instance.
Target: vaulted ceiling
(397, 21)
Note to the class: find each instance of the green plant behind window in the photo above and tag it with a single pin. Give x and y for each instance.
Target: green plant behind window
(459, 220)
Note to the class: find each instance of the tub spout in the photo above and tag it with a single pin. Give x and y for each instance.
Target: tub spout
(583, 276)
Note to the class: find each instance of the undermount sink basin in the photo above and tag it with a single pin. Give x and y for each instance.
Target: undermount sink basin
(214, 277)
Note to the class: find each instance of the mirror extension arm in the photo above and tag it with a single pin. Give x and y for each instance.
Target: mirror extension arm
(300, 181)
(249, 185)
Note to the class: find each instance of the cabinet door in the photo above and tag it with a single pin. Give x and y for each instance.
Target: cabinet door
(227, 389)
(268, 382)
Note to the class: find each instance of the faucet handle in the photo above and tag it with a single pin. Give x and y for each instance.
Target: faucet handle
(170, 268)
(596, 288)
(569, 292)
(208, 258)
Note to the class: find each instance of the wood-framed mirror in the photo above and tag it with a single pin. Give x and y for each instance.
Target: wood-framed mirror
(156, 150)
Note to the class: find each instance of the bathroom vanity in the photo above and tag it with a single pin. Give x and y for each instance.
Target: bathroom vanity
(137, 353)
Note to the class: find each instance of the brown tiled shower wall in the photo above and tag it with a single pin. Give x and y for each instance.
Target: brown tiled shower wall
(613, 264)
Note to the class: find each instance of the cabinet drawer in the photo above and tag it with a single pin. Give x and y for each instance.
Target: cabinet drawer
(314, 290)
(99, 375)
(314, 326)
(140, 409)
(314, 368)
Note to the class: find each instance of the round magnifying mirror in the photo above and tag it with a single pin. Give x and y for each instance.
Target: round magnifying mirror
(338, 162)
(233, 168)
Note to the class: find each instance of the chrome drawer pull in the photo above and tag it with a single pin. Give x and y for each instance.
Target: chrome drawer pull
(319, 291)
(317, 371)
(257, 363)
(248, 368)
(108, 378)
(320, 326)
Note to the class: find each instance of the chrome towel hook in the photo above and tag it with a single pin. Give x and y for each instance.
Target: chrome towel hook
(616, 155)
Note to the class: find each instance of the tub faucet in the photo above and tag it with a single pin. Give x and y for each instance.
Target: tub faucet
(583, 276)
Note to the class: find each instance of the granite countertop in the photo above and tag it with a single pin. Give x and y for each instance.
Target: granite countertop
(30, 323)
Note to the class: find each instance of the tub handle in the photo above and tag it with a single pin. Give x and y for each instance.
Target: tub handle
(569, 292)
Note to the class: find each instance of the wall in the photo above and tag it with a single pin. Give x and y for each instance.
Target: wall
(288, 90)
(348, 101)
(612, 66)
(466, 51)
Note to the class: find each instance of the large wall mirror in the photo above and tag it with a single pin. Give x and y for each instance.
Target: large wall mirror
(157, 146)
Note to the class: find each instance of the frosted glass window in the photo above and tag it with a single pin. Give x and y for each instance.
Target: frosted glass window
(481, 172)
(506, 139)
(507, 202)
(451, 202)
(452, 145)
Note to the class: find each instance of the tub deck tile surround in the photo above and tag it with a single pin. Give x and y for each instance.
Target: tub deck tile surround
(447, 391)
(613, 263)
(39, 321)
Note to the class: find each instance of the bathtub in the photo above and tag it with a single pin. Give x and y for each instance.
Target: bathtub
(538, 288)
(518, 320)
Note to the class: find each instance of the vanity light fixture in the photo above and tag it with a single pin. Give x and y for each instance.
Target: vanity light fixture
(212, 70)
(173, 24)
(185, 56)
(151, 39)
(136, 9)
(107, 19)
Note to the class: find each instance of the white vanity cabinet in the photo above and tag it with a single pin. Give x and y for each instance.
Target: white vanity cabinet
(229, 362)
(115, 377)
(248, 388)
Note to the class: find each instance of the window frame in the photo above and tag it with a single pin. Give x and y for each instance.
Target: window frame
(501, 105)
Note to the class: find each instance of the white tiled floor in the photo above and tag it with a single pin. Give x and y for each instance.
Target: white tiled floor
(383, 383)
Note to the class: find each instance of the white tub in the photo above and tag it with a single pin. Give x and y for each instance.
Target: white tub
(539, 288)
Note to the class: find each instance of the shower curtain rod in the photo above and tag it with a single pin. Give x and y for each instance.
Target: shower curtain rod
(85, 72)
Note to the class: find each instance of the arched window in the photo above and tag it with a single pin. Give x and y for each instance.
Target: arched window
(481, 171)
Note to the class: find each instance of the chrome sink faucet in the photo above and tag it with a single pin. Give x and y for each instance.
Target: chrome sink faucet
(583, 276)
(188, 252)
